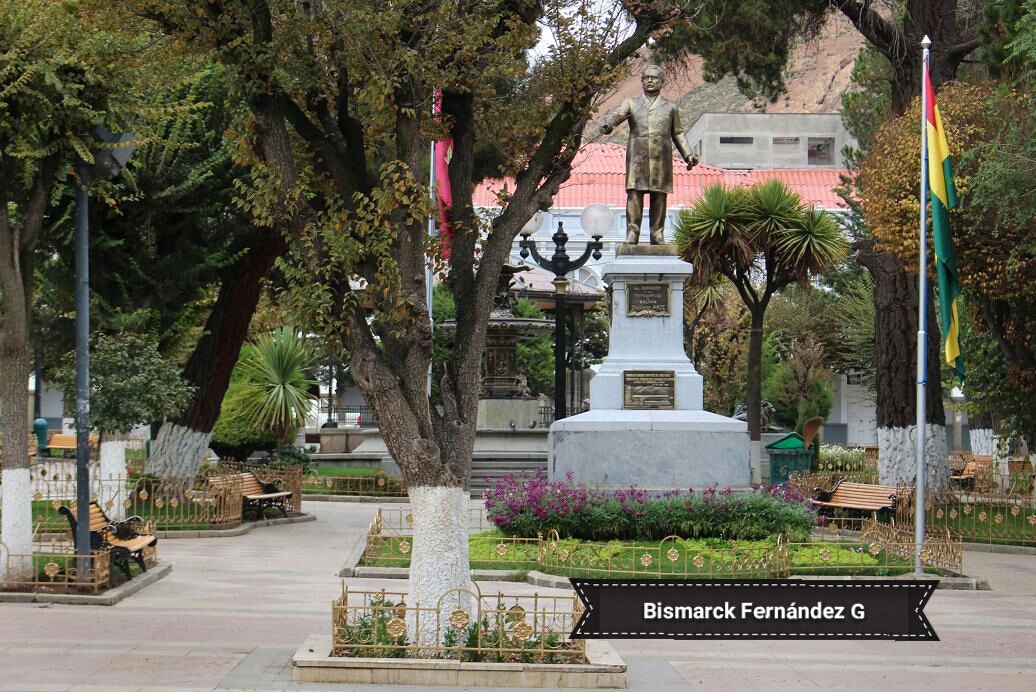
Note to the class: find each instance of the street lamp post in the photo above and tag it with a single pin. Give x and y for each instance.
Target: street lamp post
(561, 264)
(108, 162)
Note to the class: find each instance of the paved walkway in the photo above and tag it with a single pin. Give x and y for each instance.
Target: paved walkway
(234, 610)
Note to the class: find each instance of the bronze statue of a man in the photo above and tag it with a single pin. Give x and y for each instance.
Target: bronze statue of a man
(654, 124)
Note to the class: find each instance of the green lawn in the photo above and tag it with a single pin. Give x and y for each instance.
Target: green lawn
(985, 523)
(337, 471)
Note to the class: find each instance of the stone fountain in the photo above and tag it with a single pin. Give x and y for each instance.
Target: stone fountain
(506, 402)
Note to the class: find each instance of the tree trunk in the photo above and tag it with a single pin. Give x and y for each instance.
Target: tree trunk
(15, 366)
(440, 574)
(179, 449)
(984, 441)
(754, 393)
(16, 526)
(437, 482)
(895, 328)
(16, 529)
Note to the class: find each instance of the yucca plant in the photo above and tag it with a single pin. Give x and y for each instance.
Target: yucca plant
(761, 239)
(274, 380)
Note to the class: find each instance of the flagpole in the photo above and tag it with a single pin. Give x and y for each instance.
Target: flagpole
(922, 318)
(431, 261)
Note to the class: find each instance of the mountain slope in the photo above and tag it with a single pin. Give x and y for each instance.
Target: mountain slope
(817, 75)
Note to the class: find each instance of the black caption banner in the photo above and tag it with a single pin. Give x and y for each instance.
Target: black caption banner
(754, 609)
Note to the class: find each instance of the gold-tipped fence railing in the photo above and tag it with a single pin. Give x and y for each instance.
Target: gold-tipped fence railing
(390, 535)
(670, 557)
(462, 625)
(53, 567)
(211, 500)
(379, 484)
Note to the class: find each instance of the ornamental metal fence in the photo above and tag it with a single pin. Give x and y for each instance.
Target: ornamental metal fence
(54, 567)
(997, 509)
(211, 500)
(462, 625)
(379, 484)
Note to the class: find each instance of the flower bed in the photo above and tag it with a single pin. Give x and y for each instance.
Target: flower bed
(529, 505)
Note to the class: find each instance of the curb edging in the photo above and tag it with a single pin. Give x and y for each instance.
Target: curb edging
(108, 598)
(238, 530)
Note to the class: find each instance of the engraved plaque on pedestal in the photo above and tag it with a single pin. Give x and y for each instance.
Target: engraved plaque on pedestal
(649, 389)
(647, 299)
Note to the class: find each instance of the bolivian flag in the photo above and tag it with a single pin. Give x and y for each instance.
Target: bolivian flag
(944, 197)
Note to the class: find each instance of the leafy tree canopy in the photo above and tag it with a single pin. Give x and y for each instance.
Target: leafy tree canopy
(131, 383)
(989, 129)
(750, 40)
(174, 230)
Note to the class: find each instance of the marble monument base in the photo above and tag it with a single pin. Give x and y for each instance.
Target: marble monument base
(652, 449)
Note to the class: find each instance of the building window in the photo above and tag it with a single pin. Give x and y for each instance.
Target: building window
(785, 141)
(735, 140)
(820, 151)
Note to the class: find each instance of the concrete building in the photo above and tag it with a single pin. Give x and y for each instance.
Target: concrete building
(770, 140)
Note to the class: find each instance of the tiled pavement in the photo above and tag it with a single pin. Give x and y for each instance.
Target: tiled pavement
(233, 611)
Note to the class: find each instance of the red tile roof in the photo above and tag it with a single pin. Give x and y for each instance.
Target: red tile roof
(598, 175)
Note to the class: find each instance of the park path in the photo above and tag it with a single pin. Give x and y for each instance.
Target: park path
(234, 610)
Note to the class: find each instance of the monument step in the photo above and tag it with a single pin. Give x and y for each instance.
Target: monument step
(485, 473)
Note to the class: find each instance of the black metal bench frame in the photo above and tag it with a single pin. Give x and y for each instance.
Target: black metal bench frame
(125, 530)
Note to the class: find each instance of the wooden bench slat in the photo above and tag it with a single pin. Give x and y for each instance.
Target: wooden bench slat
(131, 544)
(268, 496)
(254, 496)
(858, 496)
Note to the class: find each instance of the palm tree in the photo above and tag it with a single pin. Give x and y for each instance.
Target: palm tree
(761, 239)
(275, 381)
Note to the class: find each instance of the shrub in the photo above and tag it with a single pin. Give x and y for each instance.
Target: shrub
(524, 505)
(236, 435)
(290, 455)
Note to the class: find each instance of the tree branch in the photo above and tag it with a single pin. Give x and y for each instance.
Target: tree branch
(885, 36)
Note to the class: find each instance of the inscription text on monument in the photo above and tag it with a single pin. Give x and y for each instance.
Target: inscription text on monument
(645, 298)
(649, 389)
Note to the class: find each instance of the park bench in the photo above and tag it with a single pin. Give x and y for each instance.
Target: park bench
(861, 497)
(120, 537)
(62, 442)
(66, 443)
(256, 494)
(976, 474)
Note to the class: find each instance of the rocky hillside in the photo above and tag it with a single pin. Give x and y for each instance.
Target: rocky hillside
(817, 75)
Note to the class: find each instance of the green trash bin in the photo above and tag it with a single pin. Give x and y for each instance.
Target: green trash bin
(788, 455)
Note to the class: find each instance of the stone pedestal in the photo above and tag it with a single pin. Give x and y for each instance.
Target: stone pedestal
(503, 414)
(646, 425)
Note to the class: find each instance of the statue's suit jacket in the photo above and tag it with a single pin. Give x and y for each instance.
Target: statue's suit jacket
(654, 128)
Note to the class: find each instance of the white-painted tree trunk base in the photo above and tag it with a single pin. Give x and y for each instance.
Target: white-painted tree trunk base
(984, 441)
(177, 452)
(897, 456)
(16, 526)
(440, 573)
(112, 476)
